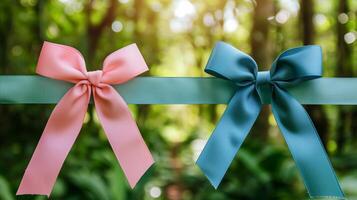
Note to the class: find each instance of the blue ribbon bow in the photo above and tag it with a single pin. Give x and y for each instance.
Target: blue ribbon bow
(290, 68)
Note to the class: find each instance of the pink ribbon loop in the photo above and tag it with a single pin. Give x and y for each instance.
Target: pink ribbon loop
(66, 63)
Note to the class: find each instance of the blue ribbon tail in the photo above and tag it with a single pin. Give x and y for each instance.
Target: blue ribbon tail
(305, 145)
(235, 124)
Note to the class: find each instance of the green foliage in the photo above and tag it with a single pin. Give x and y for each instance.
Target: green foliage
(5, 192)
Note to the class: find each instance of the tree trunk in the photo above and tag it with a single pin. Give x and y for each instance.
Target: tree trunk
(345, 126)
(259, 42)
(306, 16)
(5, 27)
(94, 32)
(200, 59)
(316, 112)
(138, 38)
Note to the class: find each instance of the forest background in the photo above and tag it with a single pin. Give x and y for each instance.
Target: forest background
(176, 38)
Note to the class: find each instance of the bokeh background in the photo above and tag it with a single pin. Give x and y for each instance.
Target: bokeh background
(176, 38)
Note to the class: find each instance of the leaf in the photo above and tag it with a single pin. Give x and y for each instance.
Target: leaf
(5, 193)
(253, 164)
(92, 184)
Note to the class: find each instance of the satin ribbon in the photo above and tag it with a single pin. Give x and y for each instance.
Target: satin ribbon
(66, 63)
(33, 89)
(290, 68)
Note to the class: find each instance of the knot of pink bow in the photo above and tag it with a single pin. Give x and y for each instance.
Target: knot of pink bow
(95, 77)
(66, 63)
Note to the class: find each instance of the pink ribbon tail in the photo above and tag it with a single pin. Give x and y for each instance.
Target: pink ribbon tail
(122, 132)
(55, 143)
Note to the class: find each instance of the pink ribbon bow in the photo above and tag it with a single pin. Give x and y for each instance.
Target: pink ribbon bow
(66, 63)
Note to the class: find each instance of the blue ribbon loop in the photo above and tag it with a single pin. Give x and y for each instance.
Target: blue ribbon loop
(290, 68)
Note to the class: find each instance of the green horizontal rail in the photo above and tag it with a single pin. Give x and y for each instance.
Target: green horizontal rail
(34, 89)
